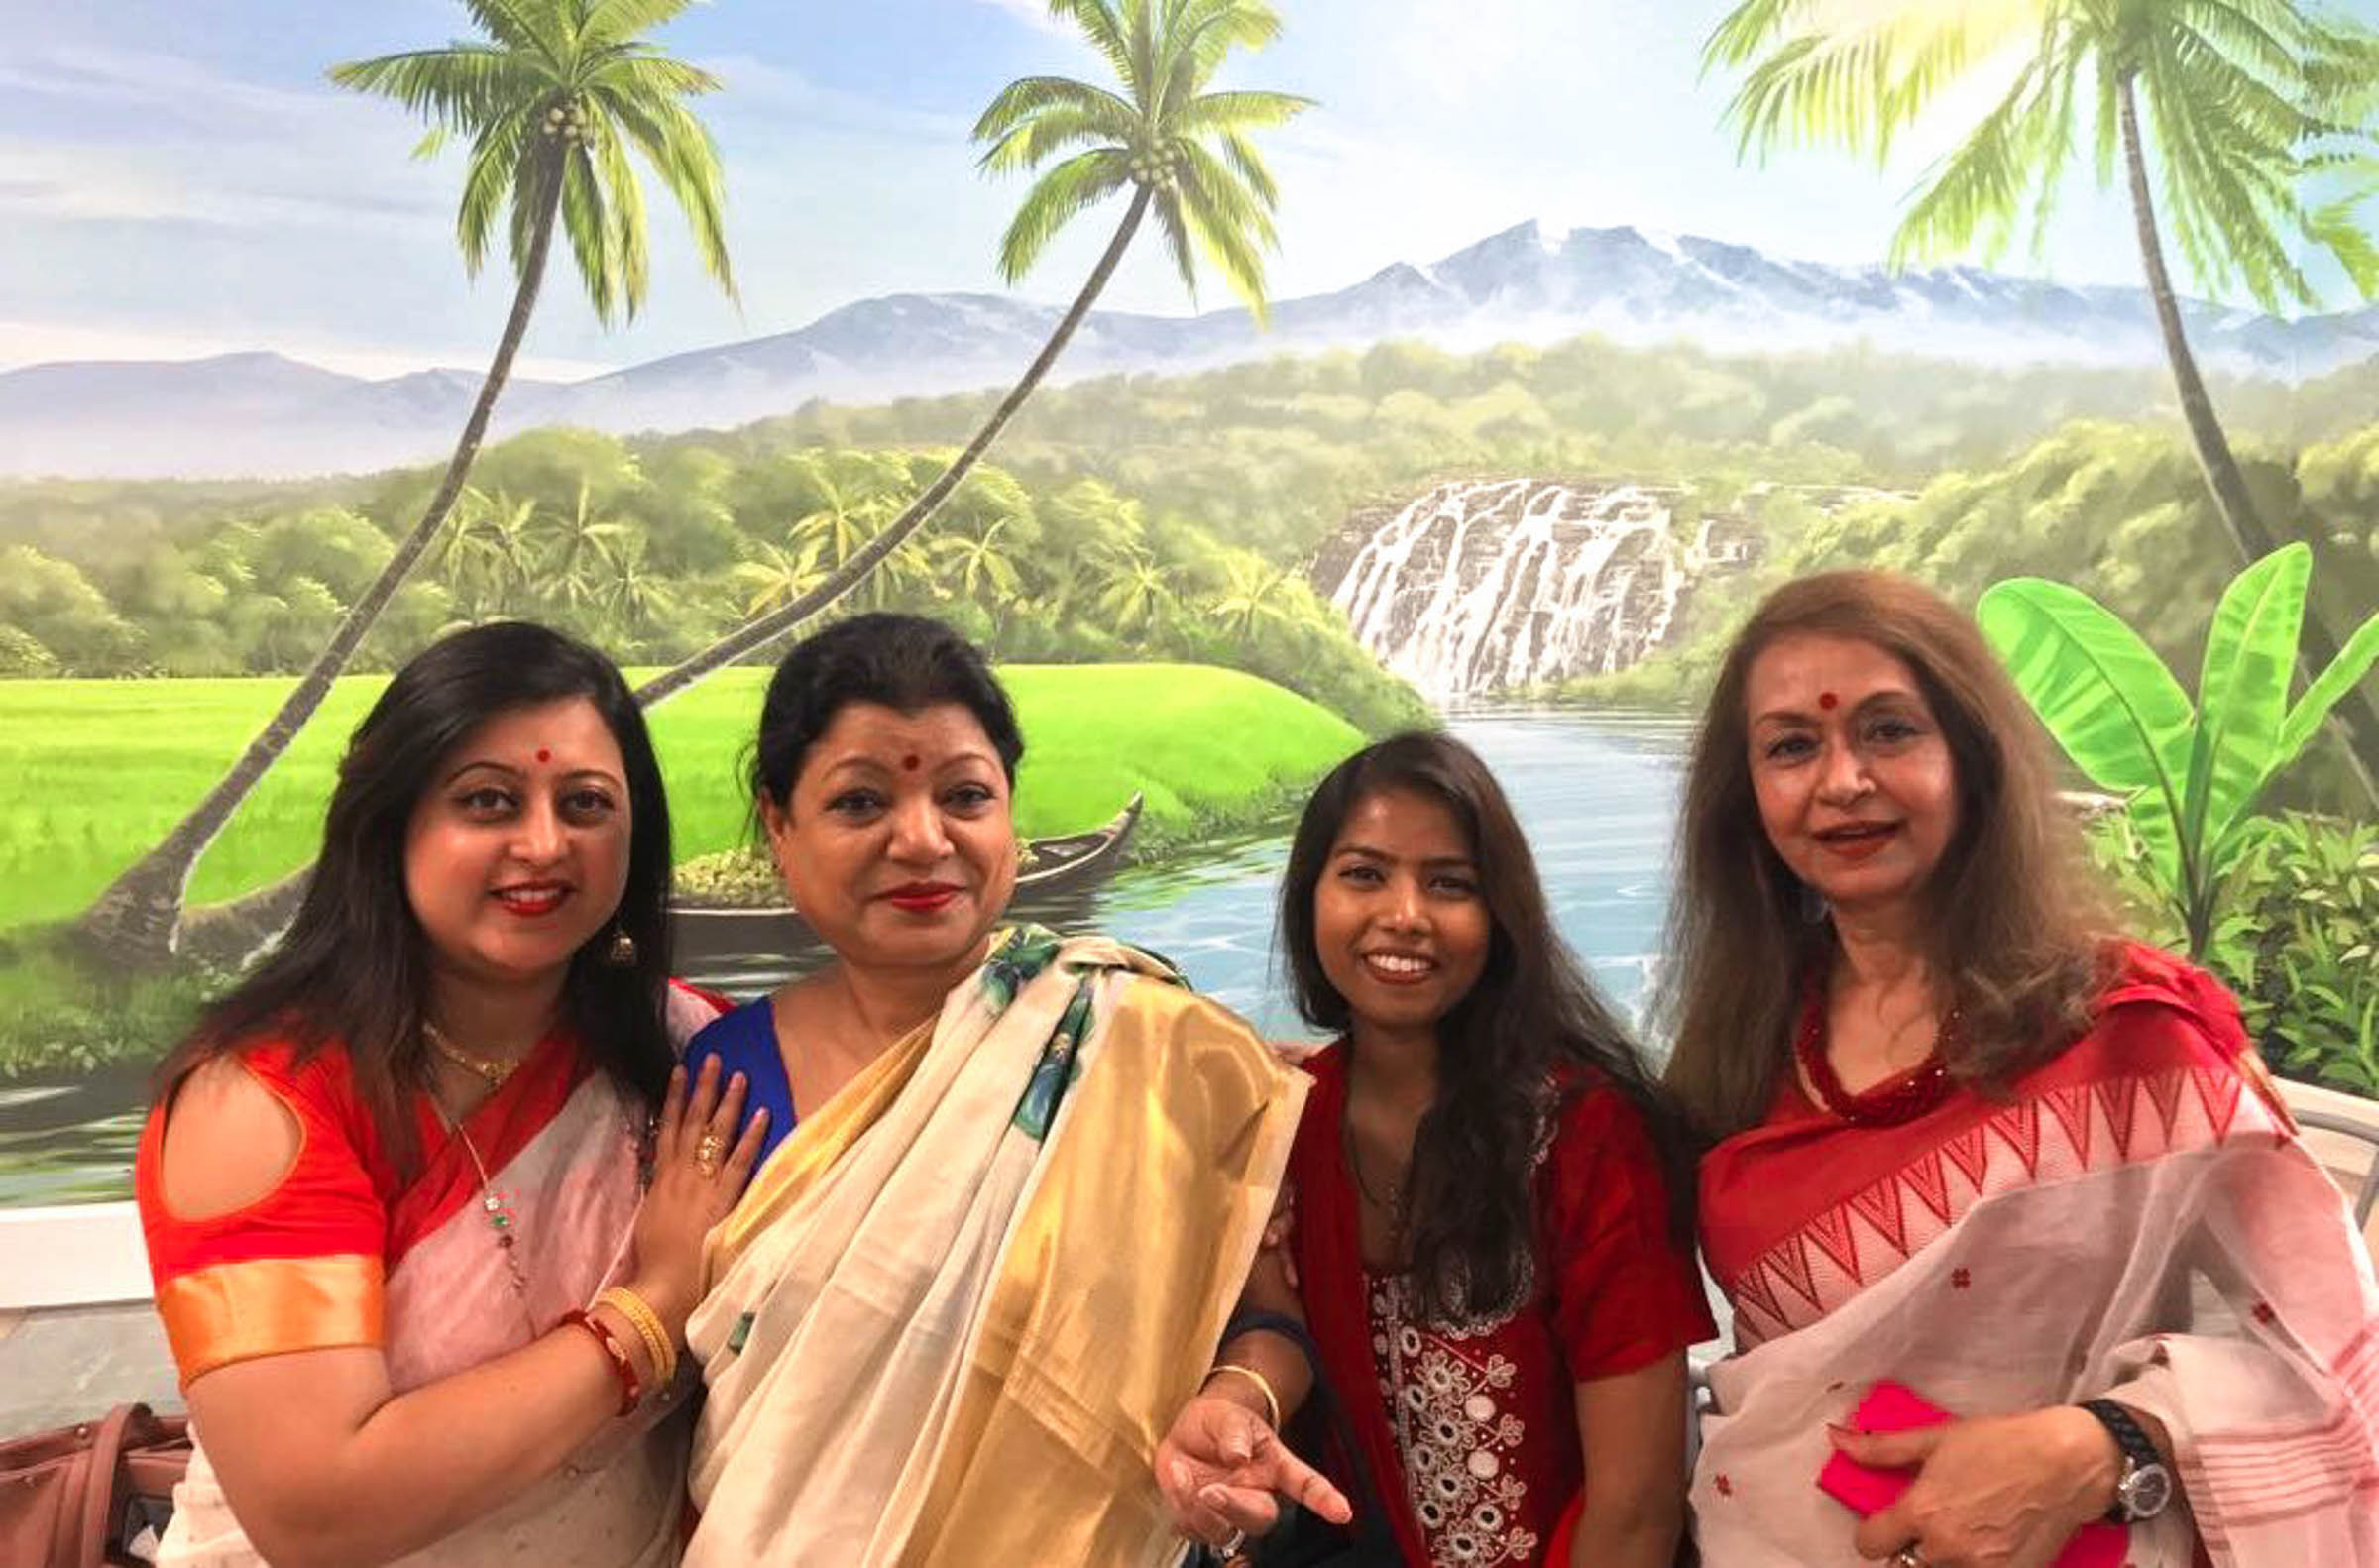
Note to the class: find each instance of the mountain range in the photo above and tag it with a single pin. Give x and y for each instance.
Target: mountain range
(264, 415)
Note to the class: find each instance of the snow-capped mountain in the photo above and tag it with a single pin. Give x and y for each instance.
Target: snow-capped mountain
(262, 414)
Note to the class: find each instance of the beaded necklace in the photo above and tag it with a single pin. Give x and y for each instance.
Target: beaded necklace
(1902, 1097)
(501, 1217)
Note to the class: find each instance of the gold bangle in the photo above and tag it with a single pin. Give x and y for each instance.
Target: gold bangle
(1271, 1401)
(647, 1324)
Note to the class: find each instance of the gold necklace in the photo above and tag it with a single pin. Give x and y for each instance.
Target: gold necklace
(496, 1072)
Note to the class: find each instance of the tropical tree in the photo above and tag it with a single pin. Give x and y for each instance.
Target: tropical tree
(1178, 149)
(1138, 593)
(2256, 113)
(485, 557)
(778, 574)
(579, 554)
(550, 100)
(982, 564)
(2191, 774)
(1253, 596)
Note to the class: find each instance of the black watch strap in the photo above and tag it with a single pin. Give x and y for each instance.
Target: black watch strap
(2138, 1452)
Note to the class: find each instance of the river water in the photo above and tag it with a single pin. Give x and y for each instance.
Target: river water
(1596, 793)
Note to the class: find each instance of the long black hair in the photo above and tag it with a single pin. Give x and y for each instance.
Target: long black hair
(1531, 1033)
(353, 968)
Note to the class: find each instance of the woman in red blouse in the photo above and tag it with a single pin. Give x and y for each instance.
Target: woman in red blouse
(1481, 1240)
(423, 1273)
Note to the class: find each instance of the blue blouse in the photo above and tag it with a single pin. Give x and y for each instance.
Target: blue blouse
(744, 1041)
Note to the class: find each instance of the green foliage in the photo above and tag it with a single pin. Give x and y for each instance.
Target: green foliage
(60, 1020)
(2189, 775)
(2247, 107)
(2298, 942)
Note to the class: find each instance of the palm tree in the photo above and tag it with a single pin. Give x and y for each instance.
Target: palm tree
(1139, 594)
(1251, 597)
(2247, 105)
(984, 569)
(778, 575)
(1180, 150)
(577, 560)
(485, 557)
(551, 99)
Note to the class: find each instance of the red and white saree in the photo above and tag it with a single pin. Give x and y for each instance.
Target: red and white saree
(2138, 1219)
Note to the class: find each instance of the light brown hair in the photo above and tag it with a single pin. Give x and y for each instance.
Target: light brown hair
(2012, 922)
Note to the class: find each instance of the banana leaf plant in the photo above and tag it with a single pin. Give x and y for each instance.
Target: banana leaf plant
(2191, 774)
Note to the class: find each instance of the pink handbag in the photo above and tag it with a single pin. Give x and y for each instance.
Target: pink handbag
(75, 1497)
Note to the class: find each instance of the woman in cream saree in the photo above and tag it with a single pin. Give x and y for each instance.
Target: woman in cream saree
(954, 1311)
(1024, 1178)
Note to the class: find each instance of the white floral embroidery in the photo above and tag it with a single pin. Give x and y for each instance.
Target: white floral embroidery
(1456, 1439)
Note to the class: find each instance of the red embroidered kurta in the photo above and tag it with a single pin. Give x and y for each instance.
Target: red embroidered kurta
(1470, 1430)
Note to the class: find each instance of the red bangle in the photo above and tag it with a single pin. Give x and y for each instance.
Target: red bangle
(631, 1388)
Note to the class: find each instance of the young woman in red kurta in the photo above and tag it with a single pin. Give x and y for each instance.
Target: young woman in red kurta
(1482, 1240)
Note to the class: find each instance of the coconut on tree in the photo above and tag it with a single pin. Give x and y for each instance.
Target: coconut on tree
(1161, 137)
(2236, 114)
(552, 101)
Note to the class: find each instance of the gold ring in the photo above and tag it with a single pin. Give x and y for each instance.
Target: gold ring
(707, 1153)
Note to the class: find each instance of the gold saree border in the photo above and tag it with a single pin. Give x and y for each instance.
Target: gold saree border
(270, 1307)
(1119, 1273)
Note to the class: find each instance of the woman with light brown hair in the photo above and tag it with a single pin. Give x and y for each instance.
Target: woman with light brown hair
(1971, 1154)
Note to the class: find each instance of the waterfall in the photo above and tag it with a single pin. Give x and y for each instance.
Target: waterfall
(1482, 586)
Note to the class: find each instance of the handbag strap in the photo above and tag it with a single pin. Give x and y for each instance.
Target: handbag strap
(99, 1482)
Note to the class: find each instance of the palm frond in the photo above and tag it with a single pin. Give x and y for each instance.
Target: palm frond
(495, 162)
(535, 181)
(1978, 190)
(460, 87)
(1057, 197)
(1031, 143)
(1233, 226)
(517, 26)
(1105, 31)
(588, 227)
(613, 18)
(623, 197)
(1022, 100)
(1235, 111)
(680, 150)
(1249, 166)
(1174, 225)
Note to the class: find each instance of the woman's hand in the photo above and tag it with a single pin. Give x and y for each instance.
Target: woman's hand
(699, 1168)
(1998, 1492)
(1222, 1471)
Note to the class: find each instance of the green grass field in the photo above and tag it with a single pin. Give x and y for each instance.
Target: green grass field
(96, 771)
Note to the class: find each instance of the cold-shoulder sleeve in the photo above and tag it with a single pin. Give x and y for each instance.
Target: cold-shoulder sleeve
(1623, 1292)
(301, 1268)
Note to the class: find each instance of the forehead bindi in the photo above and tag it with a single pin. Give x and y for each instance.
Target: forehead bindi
(1809, 674)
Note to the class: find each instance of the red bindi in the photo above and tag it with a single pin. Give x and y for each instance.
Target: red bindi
(544, 755)
(1828, 701)
(911, 764)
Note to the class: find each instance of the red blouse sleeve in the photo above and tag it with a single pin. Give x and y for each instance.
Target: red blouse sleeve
(1624, 1294)
(301, 1268)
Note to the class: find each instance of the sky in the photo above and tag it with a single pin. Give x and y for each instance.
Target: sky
(177, 178)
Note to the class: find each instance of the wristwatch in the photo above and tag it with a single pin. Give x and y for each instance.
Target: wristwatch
(2146, 1485)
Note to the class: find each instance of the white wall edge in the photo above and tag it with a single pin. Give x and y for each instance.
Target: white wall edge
(72, 1255)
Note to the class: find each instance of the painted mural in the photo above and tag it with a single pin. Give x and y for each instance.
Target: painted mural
(1406, 360)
